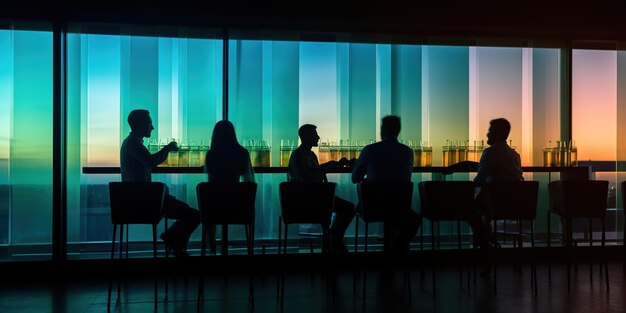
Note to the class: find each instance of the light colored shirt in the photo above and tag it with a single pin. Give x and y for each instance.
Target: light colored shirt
(229, 166)
(136, 162)
(304, 167)
(384, 161)
(499, 163)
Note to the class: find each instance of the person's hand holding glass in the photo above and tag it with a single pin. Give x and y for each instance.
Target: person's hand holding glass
(172, 146)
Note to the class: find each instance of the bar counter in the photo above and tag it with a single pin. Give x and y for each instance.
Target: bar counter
(575, 171)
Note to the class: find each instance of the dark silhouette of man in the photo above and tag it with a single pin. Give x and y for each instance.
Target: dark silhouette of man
(304, 167)
(499, 162)
(136, 166)
(390, 161)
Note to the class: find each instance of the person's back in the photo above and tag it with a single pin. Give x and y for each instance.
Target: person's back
(227, 161)
(133, 168)
(390, 161)
(499, 162)
(228, 165)
(384, 161)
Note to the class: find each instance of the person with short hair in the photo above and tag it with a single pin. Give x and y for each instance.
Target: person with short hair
(390, 161)
(136, 164)
(304, 167)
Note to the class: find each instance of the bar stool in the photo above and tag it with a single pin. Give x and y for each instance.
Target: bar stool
(382, 202)
(303, 203)
(134, 203)
(513, 200)
(225, 204)
(578, 199)
(445, 201)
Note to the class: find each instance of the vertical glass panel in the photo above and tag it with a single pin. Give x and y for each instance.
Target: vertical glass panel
(177, 79)
(500, 78)
(25, 144)
(446, 97)
(594, 100)
(594, 123)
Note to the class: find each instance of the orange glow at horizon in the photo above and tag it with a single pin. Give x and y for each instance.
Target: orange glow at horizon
(594, 104)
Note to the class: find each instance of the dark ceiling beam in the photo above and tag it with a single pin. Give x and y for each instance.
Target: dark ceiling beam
(589, 21)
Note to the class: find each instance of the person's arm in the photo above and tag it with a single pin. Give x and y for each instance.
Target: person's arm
(360, 167)
(140, 153)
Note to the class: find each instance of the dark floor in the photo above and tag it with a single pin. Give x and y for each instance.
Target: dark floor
(313, 287)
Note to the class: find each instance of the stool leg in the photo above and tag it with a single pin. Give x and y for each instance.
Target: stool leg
(154, 254)
(356, 233)
(606, 262)
(365, 258)
(119, 281)
(549, 262)
(458, 238)
(202, 260)
(591, 258)
(434, 263)
(111, 270)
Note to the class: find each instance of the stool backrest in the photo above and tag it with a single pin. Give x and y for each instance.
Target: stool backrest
(136, 202)
(379, 201)
(226, 203)
(310, 203)
(579, 198)
(446, 200)
(514, 200)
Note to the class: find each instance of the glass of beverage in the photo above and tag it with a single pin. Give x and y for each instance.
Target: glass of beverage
(172, 157)
(334, 151)
(463, 150)
(324, 152)
(162, 144)
(573, 154)
(264, 153)
(427, 155)
(194, 154)
(417, 154)
(446, 154)
(286, 147)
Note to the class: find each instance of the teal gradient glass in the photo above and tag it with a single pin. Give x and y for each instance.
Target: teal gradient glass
(177, 79)
(26, 143)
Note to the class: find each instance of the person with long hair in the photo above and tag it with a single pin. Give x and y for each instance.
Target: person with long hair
(227, 161)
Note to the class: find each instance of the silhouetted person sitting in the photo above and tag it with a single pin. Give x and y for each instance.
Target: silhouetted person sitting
(136, 166)
(390, 161)
(498, 162)
(226, 162)
(304, 167)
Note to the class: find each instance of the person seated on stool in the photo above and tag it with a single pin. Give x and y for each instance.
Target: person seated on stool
(137, 163)
(390, 161)
(499, 162)
(304, 167)
(226, 162)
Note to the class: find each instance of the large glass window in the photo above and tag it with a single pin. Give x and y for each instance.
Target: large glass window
(25, 144)
(177, 78)
(445, 95)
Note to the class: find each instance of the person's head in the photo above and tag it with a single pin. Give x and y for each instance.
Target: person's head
(223, 135)
(390, 127)
(499, 130)
(308, 135)
(140, 122)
